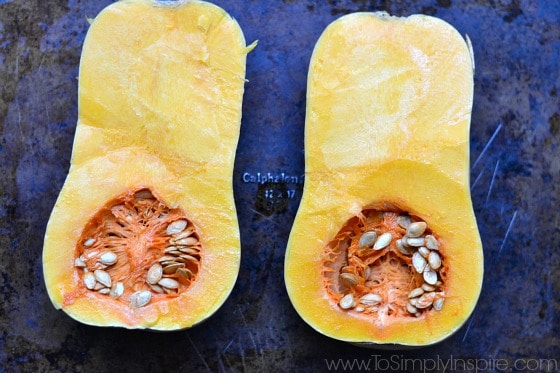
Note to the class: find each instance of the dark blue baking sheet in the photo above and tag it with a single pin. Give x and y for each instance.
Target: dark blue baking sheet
(514, 180)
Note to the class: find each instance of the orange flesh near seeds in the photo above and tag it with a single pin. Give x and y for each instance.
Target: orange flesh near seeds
(391, 273)
(135, 230)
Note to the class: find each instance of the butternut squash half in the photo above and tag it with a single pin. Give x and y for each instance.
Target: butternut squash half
(385, 248)
(144, 233)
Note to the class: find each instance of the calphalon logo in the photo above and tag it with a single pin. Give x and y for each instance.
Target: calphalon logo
(269, 177)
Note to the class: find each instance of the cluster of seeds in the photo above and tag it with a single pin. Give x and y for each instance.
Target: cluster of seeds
(177, 260)
(426, 260)
(137, 248)
(99, 280)
(385, 263)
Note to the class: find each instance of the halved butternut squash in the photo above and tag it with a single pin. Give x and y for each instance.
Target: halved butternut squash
(385, 249)
(144, 233)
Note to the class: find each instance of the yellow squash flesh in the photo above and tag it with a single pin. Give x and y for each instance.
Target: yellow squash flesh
(160, 94)
(388, 114)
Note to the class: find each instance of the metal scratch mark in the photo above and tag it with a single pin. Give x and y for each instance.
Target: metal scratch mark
(492, 182)
(477, 179)
(198, 353)
(468, 329)
(487, 145)
(228, 346)
(270, 218)
(224, 356)
(507, 232)
(246, 326)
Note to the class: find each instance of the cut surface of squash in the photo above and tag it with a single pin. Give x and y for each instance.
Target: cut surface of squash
(385, 249)
(144, 233)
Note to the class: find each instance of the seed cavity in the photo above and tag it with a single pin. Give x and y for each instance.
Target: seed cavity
(385, 264)
(136, 247)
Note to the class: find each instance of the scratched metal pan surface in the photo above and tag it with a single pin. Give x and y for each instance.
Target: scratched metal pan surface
(514, 180)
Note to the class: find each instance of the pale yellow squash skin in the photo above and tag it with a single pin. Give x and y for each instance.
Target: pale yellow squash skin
(388, 113)
(160, 93)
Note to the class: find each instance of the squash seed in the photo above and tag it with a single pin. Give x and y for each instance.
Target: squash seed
(79, 262)
(104, 291)
(172, 268)
(154, 274)
(416, 293)
(188, 258)
(431, 242)
(410, 308)
(102, 277)
(184, 273)
(428, 287)
(430, 276)
(89, 242)
(371, 299)
(359, 309)
(425, 300)
(418, 262)
(435, 260)
(168, 283)
(143, 194)
(383, 241)
(176, 227)
(438, 304)
(140, 298)
(189, 250)
(167, 258)
(347, 302)
(349, 279)
(424, 251)
(416, 229)
(188, 241)
(155, 287)
(367, 239)
(89, 280)
(415, 241)
(108, 258)
(403, 221)
(401, 247)
(116, 290)
(184, 234)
